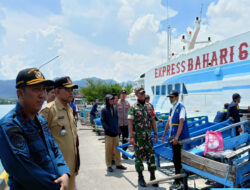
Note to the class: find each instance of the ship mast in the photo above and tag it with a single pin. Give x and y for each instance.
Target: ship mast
(168, 37)
(192, 42)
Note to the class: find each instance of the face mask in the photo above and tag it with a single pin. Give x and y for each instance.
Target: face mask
(174, 103)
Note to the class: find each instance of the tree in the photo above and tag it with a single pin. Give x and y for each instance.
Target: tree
(98, 89)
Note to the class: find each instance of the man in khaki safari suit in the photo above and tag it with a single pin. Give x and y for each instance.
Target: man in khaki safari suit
(59, 116)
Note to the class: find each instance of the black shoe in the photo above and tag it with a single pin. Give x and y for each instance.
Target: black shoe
(152, 177)
(155, 185)
(113, 162)
(121, 167)
(141, 180)
(124, 157)
(110, 169)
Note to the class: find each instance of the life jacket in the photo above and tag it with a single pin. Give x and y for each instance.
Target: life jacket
(176, 121)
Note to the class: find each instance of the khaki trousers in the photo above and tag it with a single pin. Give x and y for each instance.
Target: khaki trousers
(71, 185)
(110, 150)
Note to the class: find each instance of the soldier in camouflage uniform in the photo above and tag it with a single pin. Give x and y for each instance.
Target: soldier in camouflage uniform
(141, 118)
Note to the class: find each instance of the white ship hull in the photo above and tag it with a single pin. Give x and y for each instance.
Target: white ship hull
(206, 78)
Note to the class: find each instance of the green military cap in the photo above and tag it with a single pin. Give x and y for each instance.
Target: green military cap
(139, 90)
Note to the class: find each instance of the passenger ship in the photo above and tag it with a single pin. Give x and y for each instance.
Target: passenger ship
(206, 78)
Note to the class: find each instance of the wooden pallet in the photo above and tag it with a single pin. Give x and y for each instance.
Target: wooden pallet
(207, 165)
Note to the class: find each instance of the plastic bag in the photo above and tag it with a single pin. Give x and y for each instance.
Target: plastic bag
(214, 142)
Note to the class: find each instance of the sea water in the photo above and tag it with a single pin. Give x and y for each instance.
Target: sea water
(4, 109)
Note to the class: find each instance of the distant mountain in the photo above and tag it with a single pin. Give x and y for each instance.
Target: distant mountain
(83, 82)
(8, 89)
(128, 83)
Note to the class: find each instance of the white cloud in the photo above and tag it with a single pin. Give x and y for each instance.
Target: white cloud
(143, 28)
(81, 59)
(10, 66)
(226, 19)
(44, 38)
(126, 15)
(138, 8)
(130, 66)
(97, 9)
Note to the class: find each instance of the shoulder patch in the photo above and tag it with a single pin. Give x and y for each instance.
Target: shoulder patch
(15, 135)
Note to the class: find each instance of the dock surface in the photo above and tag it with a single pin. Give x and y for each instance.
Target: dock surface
(93, 172)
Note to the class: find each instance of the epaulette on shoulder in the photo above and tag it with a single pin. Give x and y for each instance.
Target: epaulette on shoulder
(51, 104)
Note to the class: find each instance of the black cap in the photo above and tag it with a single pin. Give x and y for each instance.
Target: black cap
(49, 88)
(235, 96)
(173, 93)
(147, 97)
(31, 76)
(139, 90)
(123, 91)
(64, 82)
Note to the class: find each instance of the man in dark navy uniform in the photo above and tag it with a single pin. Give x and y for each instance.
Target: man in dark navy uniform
(29, 153)
(222, 114)
(233, 112)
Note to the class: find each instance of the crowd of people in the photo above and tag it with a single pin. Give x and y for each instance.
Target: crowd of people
(40, 145)
(135, 123)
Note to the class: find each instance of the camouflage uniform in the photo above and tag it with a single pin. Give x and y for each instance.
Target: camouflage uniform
(142, 116)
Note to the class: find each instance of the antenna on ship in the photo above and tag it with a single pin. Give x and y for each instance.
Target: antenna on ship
(201, 11)
(192, 42)
(169, 41)
(169, 37)
(48, 61)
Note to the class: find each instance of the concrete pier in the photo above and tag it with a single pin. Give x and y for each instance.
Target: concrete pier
(93, 174)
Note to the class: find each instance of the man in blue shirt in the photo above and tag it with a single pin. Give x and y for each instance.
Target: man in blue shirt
(29, 153)
(93, 113)
(74, 108)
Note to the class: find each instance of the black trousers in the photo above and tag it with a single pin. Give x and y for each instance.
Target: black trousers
(124, 132)
(177, 160)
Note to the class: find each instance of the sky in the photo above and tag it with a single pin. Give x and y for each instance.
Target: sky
(108, 39)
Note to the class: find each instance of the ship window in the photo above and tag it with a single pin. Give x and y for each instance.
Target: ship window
(177, 87)
(163, 90)
(170, 88)
(184, 89)
(157, 90)
(153, 90)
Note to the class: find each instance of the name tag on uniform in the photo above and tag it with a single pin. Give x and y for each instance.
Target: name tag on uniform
(60, 117)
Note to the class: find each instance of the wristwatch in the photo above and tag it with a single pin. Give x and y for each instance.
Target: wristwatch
(176, 138)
